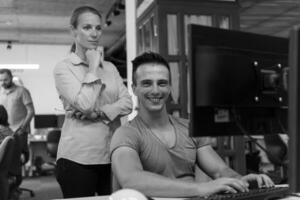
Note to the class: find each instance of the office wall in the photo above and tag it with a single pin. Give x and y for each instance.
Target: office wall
(40, 81)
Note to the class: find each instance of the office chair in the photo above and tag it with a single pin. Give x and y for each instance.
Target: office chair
(277, 154)
(22, 141)
(6, 151)
(52, 142)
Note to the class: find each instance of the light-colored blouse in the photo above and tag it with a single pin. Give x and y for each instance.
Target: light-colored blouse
(87, 141)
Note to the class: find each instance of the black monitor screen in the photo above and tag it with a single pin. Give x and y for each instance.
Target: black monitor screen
(45, 121)
(294, 111)
(238, 82)
(60, 120)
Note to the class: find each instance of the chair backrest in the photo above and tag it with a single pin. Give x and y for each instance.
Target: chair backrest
(277, 149)
(52, 142)
(16, 163)
(6, 152)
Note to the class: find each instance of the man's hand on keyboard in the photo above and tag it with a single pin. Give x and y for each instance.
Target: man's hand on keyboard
(224, 185)
(262, 180)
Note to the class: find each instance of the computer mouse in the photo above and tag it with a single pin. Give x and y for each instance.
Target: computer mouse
(128, 194)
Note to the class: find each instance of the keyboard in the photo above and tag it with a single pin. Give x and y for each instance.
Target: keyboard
(253, 194)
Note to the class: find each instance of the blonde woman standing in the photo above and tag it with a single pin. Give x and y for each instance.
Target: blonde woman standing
(94, 98)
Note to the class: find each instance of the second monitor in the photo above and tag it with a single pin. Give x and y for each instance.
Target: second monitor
(238, 82)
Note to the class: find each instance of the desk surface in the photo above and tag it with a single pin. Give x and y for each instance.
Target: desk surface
(106, 198)
(295, 196)
(291, 198)
(37, 138)
(136, 196)
(88, 198)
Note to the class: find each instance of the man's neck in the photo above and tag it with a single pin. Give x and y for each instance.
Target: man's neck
(155, 119)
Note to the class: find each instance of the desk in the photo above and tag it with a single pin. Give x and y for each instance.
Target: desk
(37, 149)
(106, 198)
(280, 191)
(291, 198)
(88, 198)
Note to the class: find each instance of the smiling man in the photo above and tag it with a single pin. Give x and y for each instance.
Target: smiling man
(154, 153)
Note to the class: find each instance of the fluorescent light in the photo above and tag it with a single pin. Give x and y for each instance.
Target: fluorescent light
(19, 66)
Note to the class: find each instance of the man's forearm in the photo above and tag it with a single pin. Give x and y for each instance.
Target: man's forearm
(228, 172)
(155, 185)
(26, 121)
(28, 118)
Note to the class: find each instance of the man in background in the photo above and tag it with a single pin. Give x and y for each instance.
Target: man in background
(17, 101)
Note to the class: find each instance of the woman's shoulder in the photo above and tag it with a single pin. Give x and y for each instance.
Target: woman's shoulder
(62, 65)
(63, 62)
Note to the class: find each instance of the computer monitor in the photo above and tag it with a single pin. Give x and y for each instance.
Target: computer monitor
(60, 120)
(294, 111)
(238, 82)
(45, 121)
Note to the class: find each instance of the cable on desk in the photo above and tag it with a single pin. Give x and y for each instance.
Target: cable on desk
(246, 133)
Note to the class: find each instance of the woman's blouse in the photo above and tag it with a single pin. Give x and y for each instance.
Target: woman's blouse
(87, 141)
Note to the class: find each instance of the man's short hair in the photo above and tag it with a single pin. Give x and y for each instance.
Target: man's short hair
(7, 71)
(148, 57)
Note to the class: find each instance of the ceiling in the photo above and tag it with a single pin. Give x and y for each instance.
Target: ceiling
(47, 21)
(270, 17)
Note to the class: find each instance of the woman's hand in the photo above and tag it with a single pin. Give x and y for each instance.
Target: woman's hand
(223, 185)
(262, 180)
(93, 116)
(79, 115)
(94, 57)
